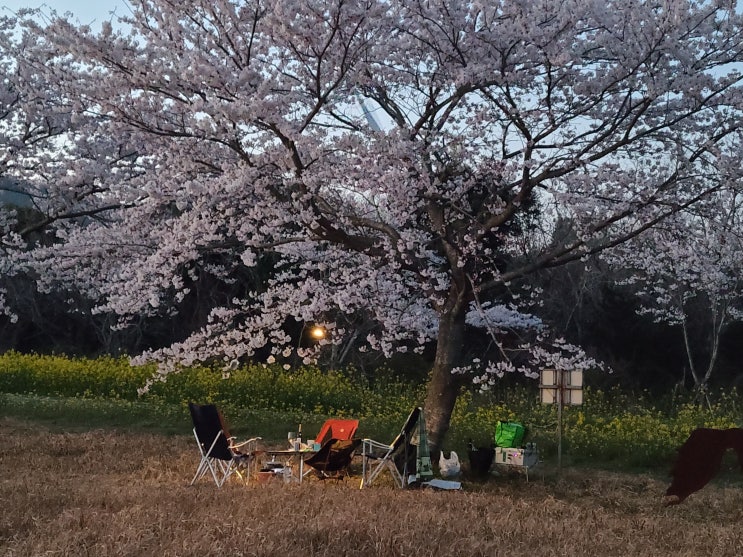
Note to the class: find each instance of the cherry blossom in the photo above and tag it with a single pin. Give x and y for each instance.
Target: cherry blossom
(688, 274)
(207, 137)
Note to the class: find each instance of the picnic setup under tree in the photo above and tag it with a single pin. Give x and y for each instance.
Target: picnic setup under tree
(389, 169)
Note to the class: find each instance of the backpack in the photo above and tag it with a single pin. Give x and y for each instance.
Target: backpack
(509, 434)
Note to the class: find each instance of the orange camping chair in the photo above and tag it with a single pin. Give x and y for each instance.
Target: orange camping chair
(336, 428)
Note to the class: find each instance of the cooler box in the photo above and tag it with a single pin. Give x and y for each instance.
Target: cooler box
(516, 457)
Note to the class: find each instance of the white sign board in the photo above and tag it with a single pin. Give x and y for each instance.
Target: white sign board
(564, 387)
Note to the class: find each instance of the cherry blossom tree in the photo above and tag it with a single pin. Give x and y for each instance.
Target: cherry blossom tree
(688, 274)
(53, 168)
(214, 134)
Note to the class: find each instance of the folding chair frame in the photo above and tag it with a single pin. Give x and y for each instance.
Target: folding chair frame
(369, 473)
(222, 459)
(371, 450)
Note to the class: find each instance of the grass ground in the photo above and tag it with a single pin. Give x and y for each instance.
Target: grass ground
(112, 493)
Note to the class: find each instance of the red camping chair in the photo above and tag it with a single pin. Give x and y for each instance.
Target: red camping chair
(336, 428)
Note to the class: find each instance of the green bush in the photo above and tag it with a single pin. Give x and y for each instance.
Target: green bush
(79, 377)
(307, 394)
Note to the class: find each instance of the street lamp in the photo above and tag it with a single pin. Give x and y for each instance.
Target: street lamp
(318, 332)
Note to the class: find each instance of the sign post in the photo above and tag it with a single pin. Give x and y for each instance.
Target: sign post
(560, 387)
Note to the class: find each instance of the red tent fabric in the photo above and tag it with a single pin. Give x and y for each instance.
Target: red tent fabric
(336, 428)
(699, 460)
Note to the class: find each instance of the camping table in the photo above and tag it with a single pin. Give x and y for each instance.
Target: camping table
(290, 454)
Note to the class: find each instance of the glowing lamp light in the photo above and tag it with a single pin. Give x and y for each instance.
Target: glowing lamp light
(317, 332)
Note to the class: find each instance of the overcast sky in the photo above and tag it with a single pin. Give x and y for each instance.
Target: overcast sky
(86, 11)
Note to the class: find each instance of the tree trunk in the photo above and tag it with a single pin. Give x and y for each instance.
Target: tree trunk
(443, 387)
(719, 319)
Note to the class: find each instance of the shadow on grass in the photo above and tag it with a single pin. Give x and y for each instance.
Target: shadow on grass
(153, 416)
(80, 414)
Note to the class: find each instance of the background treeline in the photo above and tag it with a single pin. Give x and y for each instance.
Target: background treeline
(580, 301)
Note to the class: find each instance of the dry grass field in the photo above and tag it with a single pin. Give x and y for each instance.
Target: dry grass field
(102, 493)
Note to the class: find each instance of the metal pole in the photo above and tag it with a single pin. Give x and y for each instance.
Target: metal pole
(559, 421)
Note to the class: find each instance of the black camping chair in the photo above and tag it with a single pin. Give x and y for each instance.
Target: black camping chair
(398, 457)
(334, 458)
(220, 455)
